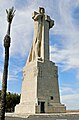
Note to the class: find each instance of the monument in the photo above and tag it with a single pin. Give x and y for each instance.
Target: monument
(40, 90)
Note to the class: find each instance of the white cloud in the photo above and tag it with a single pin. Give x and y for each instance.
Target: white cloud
(71, 101)
(22, 32)
(66, 58)
(69, 96)
(66, 27)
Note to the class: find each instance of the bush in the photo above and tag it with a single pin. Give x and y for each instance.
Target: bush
(11, 100)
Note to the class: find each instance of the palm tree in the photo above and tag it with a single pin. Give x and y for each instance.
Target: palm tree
(7, 40)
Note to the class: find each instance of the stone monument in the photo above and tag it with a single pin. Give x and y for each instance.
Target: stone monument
(40, 90)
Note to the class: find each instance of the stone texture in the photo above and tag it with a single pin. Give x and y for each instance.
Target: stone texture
(40, 83)
(40, 90)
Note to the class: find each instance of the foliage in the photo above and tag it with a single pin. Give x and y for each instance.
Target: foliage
(11, 100)
(10, 14)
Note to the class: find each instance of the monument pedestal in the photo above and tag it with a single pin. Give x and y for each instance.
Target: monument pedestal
(40, 90)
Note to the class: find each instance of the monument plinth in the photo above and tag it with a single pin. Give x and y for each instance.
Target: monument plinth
(40, 90)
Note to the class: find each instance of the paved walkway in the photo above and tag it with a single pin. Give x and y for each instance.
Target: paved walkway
(60, 116)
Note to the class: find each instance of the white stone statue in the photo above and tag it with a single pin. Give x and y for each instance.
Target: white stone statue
(37, 43)
(39, 24)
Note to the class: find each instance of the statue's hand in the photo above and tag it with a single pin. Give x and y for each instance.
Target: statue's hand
(10, 14)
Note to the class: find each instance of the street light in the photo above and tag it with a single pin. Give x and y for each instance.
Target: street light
(7, 40)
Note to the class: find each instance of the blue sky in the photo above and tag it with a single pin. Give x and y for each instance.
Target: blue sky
(64, 43)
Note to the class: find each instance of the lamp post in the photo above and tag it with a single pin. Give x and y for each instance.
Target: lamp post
(7, 40)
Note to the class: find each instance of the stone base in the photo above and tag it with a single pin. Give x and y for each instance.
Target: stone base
(40, 90)
(54, 108)
(25, 108)
(29, 109)
(57, 108)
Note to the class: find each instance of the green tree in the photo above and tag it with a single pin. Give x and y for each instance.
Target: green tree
(11, 100)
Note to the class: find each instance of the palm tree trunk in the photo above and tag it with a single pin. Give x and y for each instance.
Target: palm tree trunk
(4, 81)
(10, 15)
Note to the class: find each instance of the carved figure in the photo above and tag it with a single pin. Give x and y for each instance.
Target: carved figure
(39, 25)
(36, 46)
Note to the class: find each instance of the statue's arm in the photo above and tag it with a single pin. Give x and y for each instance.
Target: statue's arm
(51, 22)
(36, 16)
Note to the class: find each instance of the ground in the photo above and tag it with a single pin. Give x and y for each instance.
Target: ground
(60, 116)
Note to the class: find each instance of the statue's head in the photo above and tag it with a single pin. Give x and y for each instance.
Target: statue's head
(41, 10)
